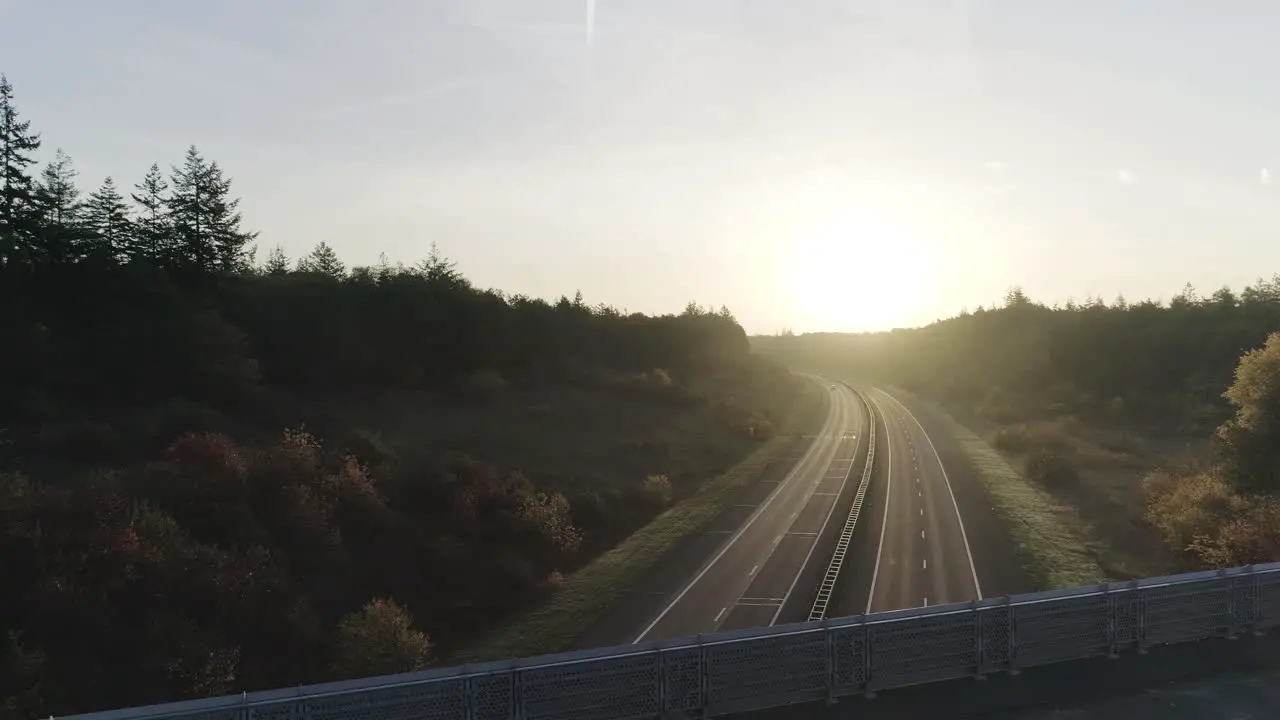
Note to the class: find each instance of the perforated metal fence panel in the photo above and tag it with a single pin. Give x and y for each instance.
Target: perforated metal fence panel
(1268, 600)
(766, 672)
(925, 648)
(769, 667)
(1057, 630)
(605, 689)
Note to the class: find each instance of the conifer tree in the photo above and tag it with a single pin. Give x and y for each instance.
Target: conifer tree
(277, 263)
(153, 229)
(205, 220)
(106, 216)
(56, 193)
(17, 145)
(439, 269)
(57, 201)
(323, 260)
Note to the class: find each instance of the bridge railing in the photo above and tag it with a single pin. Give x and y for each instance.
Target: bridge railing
(768, 667)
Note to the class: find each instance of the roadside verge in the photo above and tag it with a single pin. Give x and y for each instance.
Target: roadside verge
(1049, 551)
(589, 593)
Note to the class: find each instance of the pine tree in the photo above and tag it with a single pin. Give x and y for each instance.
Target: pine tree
(17, 145)
(206, 223)
(57, 201)
(234, 252)
(187, 205)
(56, 193)
(277, 263)
(439, 269)
(106, 216)
(153, 230)
(323, 260)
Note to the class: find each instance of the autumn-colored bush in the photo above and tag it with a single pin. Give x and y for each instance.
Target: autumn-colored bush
(657, 489)
(1228, 513)
(1199, 512)
(379, 639)
(1186, 505)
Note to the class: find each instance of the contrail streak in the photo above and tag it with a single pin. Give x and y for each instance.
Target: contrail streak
(591, 21)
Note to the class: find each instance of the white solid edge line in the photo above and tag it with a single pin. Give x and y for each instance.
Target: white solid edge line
(745, 526)
(888, 488)
(830, 511)
(963, 534)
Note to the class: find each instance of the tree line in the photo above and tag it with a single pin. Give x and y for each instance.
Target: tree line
(169, 529)
(1195, 367)
(1161, 365)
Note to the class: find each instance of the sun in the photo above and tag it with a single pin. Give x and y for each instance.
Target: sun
(854, 272)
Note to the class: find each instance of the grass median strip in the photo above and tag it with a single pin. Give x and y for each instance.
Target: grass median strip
(1051, 553)
(588, 593)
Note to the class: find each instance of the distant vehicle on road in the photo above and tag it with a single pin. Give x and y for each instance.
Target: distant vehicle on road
(833, 387)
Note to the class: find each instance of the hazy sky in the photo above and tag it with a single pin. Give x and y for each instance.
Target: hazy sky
(814, 164)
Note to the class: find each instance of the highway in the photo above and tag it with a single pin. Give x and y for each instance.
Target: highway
(755, 576)
(922, 554)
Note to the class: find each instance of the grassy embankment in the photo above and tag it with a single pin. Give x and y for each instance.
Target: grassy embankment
(1056, 545)
(1071, 492)
(588, 593)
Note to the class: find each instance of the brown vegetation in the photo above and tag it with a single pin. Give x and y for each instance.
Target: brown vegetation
(1227, 512)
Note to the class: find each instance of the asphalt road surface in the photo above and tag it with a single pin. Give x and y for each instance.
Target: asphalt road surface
(923, 555)
(754, 578)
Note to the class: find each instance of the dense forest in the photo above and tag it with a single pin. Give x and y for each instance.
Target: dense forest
(1160, 365)
(1159, 414)
(221, 475)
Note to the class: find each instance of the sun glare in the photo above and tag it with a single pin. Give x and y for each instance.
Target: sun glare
(857, 272)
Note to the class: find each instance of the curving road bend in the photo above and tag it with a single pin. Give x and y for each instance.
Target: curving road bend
(923, 555)
(752, 578)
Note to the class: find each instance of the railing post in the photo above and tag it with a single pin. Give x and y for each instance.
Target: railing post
(979, 643)
(868, 659)
(1255, 600)
(704, 683)
(1140, 609)
(660, 663)
(468, 698)
(1229, 586)
(517, 694)
(1012, 625)
(829, 642)
(1113, 624)
(468, 692)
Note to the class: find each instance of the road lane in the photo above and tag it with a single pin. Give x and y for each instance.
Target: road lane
(751, 578)
(923, 556)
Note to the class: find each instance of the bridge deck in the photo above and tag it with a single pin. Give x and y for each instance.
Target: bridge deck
(1208, 680)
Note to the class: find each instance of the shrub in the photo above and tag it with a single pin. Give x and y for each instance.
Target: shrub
(1026, 437)
(1189, 506)
(371, 450)
(1252, 536)
(1012, 439)
(657, 488)
(553, 584)
(210, 462)
(1051, 468)
(379, 640)
(295, 459)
